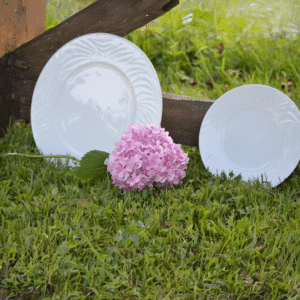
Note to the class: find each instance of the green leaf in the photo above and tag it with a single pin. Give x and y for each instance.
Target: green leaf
(92, 166)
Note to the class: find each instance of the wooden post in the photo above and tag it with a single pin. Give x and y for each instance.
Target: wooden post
(20, 22)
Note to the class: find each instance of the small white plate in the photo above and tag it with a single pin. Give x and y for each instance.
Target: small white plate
(89, 93)
(252, 130)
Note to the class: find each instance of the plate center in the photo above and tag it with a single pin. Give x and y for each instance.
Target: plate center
(96, 105)
(253, 138)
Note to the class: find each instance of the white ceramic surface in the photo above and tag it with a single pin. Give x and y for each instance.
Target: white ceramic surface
(251, 130)
(88, 94)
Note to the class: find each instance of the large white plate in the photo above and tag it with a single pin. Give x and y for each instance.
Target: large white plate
(252, 130)
(88, 94)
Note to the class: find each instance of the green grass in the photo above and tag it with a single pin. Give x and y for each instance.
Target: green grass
(210, 238)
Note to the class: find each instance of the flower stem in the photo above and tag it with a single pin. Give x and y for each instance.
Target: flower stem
(54, 156)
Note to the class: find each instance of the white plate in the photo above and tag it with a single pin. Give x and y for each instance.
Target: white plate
(252, 130)
(88, 94)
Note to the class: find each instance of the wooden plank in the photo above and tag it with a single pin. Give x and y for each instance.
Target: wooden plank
(20, 69)
(182, 117)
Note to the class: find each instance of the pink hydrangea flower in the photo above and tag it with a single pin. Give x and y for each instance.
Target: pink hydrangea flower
(146, 154)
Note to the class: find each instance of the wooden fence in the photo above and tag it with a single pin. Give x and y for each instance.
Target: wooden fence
(20, 69)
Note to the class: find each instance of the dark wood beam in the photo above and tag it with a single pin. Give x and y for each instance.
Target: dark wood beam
(20, 69)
